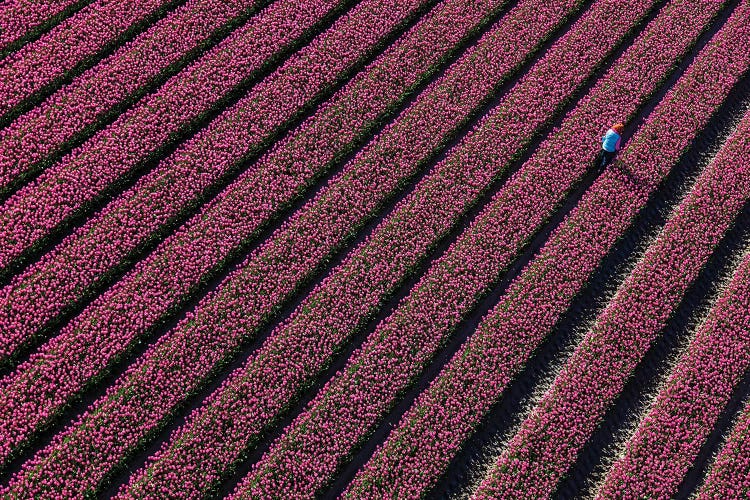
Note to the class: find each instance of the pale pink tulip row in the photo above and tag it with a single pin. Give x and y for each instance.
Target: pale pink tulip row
(70, 43)
(307, 455)
(27, 141)
(131, 219)
(431, 432)
(571, 409)
(729, 475)
(669, 437)
(20, 17)
(176, 267)
(273, 271)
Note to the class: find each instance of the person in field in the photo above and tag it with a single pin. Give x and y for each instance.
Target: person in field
(611, 142)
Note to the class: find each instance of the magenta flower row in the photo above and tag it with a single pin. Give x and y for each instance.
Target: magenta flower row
(298, 348)
(78, 105)
(553, 434)
(62, 275)
(729, 475)
(348, 407)
(68, 44)
(669, 437)
(23, 16)
(177, 265)
(273, 271)
(105, 322)
(428, 436)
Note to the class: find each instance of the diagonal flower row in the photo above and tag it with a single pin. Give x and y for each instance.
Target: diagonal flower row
(176, 184)
(21, 18)
(35, 296)
(27, 142)
(430, 433)
(215, 329)
(551, 437)
(132, 306)
(178, 265)
(69, 44)
(729, 476)
(297, 349)
(684, 412)
(350, 405)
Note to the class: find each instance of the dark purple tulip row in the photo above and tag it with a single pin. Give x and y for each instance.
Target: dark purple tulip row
(273, 271)
(551, 437)
(106, 328)
(426, 439)
(349, 406)
(177, 265)
(683, 414)
(60, 277)
(71, 42)
(45, 128)
(729, 476)
(22, 16)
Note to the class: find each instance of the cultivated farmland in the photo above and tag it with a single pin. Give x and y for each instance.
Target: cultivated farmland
(364, 249)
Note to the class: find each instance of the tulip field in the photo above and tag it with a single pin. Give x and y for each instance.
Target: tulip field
(362, 249)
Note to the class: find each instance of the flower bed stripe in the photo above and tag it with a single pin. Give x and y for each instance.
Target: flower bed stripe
(551, 437)
(21, 19)
(35, 296)
(102, 321)
(350, 286)
(211, 235)
(434, 428)
(428, 314)
(476, 74)
(729, 476)
(69, 44)
(684, 412)
(27, 142)
(132, 219)
(312, 329)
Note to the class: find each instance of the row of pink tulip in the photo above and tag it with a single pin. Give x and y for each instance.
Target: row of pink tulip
(573, 406)
(272, 272)
(175, 268)
(110, 325)
(298, 348)
(729, 475)
(23, 16)
(42, 290)
(349, 406)
(73, 41)
(669, 437)
(27, 142)
(36, 296)
(419, 449)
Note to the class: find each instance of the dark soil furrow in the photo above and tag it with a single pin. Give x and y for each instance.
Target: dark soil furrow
(731, 412)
